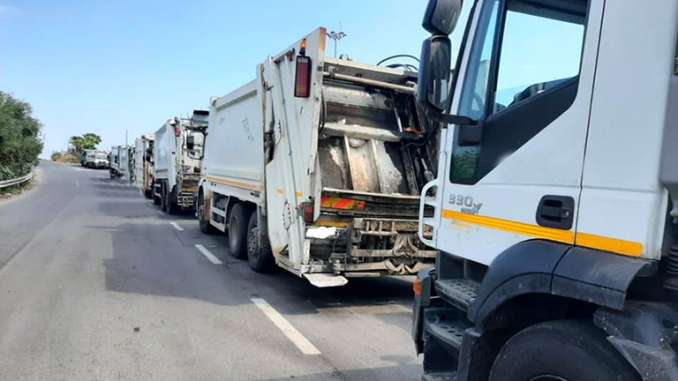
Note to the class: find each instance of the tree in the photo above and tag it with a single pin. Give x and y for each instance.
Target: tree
(20, 139)
(85, 142)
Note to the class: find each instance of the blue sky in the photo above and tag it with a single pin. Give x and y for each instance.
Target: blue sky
(107, 66)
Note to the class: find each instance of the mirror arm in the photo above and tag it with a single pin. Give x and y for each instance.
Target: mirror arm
(454, 119)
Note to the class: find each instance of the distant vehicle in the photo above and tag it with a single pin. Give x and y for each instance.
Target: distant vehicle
(83, 156)
(177, 155)
(95, 159)
(143, 164)
(316, 167)
(121, 165)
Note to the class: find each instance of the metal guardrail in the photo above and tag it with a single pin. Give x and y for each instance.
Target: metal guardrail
(17, 181)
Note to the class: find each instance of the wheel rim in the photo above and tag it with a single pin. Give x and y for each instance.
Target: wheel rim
(548, 377)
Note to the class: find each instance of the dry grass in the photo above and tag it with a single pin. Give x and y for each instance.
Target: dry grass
(68, 159)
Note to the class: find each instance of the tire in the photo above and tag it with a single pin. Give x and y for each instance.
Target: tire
(172, 207)
(203, 222)
(157, 200)
(571, 350)
(237, 231)
(163, 196)
(259, 255)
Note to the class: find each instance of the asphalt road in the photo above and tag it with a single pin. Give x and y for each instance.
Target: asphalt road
(97, 284)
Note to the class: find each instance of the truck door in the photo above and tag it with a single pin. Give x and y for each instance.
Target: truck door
(526, 77)
(281, 200)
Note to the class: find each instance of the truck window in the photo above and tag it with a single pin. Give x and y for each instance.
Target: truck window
(523, 73)
(475, 90)
(527, 65)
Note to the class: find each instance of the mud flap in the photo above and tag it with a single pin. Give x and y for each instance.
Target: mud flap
(326, 280)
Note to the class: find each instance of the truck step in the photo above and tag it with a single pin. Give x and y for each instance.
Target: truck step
(461, 293)
(446, 329)
(440, 377)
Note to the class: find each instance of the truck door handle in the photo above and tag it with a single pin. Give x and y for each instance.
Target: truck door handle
(556, 212)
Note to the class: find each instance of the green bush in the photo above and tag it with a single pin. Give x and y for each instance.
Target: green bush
(20, 139)
(56, 156)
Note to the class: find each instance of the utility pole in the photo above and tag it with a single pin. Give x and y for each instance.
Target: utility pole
(336, 36)
(125, 137)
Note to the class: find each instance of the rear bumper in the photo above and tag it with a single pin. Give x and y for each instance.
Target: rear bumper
(371, 237)
(186, 200)
(367, 247)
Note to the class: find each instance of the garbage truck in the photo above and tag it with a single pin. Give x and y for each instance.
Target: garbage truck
(95, 159)
(555, 206)
(143, 164)
(316, 167)
(120, 160)
(177, 155)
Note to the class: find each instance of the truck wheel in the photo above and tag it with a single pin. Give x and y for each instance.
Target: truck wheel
(156, 199)
(259, 255)
(203, 221)
(163, 197)
(237, 231)
(172, 207)
(563, 350)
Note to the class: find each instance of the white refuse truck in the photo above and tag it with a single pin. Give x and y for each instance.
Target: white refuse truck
(143, 164)
(177, 153)
(95, 159)
(555, 212)
(316, 166)
(120, 162)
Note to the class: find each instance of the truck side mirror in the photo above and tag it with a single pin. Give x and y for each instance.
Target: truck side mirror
(433, 85)
(441, 16)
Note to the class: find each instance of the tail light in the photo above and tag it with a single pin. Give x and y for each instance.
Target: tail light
(308, 210)
(302, 80)
(416, 287)
(177, 131)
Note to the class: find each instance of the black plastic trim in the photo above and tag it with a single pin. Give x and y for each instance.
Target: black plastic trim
(556, 212)
(420, 302)
(595, 276)
(524, 268)
(544, 267)
(644, 334)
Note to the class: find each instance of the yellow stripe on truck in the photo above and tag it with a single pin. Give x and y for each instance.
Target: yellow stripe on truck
(613, 245)
(233, 183)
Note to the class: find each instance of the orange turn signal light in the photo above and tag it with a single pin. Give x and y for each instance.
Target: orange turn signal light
(416, 287)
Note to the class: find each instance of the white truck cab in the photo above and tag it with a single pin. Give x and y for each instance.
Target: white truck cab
(553, 207)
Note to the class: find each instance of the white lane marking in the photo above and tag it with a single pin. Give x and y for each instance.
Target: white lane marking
(176, 226)
(203, 250)
(286, 327)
